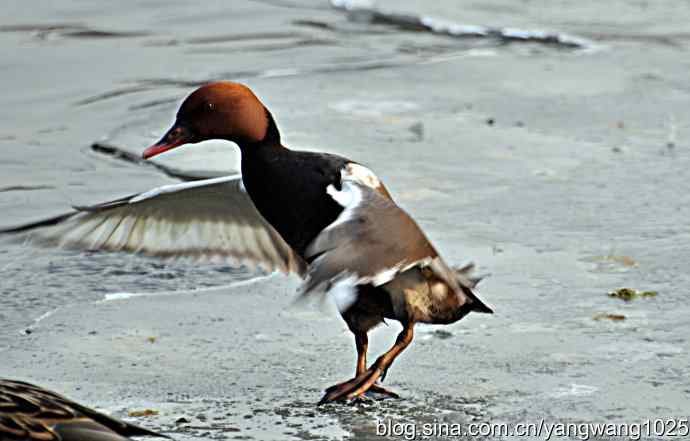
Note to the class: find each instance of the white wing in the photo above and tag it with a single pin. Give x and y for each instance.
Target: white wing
(206, 219)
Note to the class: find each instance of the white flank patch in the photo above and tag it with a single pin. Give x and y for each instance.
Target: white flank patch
(344, 293)
(341, 197)
(361, 174)
(179, 187)
(349, 198)
(384, 276)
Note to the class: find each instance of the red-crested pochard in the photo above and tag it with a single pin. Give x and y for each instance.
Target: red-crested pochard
(322, 216)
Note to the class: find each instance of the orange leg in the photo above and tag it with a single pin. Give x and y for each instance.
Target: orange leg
(362, 343)
(365, 380)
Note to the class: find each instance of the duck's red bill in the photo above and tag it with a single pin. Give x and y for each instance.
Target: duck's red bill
(175, 137)
(158, 148)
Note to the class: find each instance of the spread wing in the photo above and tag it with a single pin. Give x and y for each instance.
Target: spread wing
(206, 219)
(371, 242)
(31, 413)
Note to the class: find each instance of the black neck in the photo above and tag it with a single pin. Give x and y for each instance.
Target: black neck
(271, 140)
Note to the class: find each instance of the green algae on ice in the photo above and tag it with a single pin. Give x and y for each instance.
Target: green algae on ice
(629, 294)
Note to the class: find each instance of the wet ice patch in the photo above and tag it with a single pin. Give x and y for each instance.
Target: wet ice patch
(365, 11)
(640, 352)
(610, 263)
(532, 328)
(285, 72)
(123, 296)
(352, 4)
(44, 316)
(263, 337)
(429, 333)
(30, 329)
(439, 25)
(373, 108)
(115, 296)
(574, 390)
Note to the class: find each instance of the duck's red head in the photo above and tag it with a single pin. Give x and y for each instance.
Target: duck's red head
(222, 110)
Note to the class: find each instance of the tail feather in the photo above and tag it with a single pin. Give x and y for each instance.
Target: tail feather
(468, 282)
(477, 304)
(465, 276)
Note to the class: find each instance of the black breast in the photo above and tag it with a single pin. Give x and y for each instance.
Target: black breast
(289, 190)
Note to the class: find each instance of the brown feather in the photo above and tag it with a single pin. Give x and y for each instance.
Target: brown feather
(32, 413)
(375, 242)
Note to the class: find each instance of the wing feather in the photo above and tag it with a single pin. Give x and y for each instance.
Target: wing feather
(31, 413)
(372, 238)
(212, 219)
(372, 242)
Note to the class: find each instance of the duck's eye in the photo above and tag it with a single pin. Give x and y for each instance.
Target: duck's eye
(210, 106)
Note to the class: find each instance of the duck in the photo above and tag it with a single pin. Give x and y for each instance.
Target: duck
(324, 217)
(33, 413)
